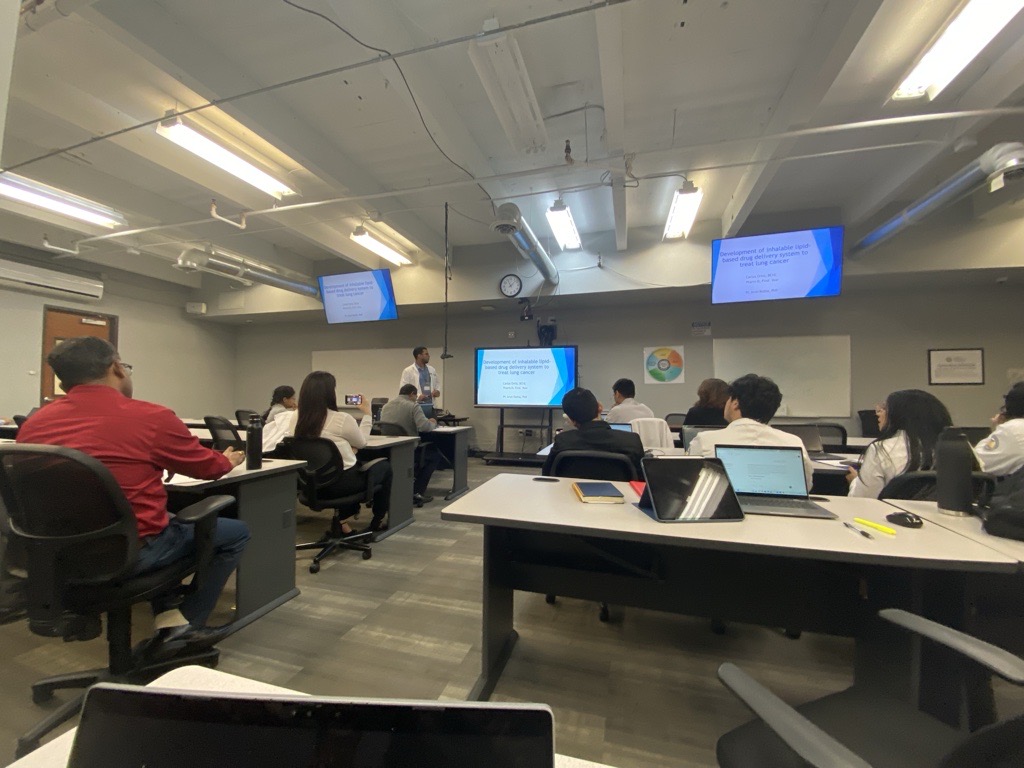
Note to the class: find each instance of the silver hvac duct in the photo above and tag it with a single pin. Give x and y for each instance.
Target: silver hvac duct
(217, 262)
(510, 222)
(1006, 158)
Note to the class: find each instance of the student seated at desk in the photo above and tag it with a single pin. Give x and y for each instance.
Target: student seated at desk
(751, 402)
(406, 413)
(318, 416)
(137, 441)
(1002, 452)
(282, 401)
(708, 410)
(626, 407)
(910, 422)
(590, 433)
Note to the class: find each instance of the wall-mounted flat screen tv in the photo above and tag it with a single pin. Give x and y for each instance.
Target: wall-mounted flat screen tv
(782, 265)
(358, 297)
(524, 377)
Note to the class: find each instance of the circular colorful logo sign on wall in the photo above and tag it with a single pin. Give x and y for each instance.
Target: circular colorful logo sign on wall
(664, 364)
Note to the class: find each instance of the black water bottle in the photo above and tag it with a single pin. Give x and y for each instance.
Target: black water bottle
(954, 462)
(254, 443)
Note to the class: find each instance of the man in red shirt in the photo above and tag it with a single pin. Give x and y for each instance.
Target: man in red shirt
(137, 441)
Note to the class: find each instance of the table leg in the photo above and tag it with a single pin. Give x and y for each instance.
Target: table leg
(498, 635)
(402, 458)
(459, 461)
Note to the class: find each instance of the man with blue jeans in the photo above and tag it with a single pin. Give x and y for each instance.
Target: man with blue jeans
(137, 441)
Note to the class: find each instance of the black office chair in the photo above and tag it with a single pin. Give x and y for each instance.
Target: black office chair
(856, 729)
(223, 433)
(375, 405)
(323, 468)
(975, 434)
(19, 420)
(675, 420)
(389, 429)
(242, 416)
(831, 434)
(920, 485)
(81, 546)
(869, 423)
(593, 465)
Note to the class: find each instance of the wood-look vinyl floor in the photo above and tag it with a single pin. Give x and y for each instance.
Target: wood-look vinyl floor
(406, 623)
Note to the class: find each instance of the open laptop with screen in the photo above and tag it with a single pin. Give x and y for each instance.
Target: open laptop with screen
(688, 489)
(128, 726)
(769, 480)
(811, 438)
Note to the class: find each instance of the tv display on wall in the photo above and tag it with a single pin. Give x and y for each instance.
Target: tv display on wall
(782, 265)
(524, 377)
(358, 297)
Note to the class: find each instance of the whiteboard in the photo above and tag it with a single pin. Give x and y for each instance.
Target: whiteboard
(813, 372)
(369, 372)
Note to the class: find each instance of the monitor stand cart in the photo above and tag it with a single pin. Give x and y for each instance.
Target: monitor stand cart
(499, 456)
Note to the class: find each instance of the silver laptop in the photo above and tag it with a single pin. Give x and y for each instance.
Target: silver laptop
(128, 726)
(811, 438)
(769, 480)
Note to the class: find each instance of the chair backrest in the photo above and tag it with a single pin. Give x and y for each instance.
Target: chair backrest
(831, 434)
(77, 526)
(324, 466)
(19, 419)
(242, 416)
(1000, 743)
(654, 433)
(675, 420)
(920, 486)
(689, 433)
(223, 432)
(975, 434)
(869, 423)
(390, 429)
(593, 465)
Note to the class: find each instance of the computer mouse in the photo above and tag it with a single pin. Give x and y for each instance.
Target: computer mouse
(906, 519)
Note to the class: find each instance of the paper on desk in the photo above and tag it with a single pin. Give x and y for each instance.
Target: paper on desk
(842, 463)
(180, 479)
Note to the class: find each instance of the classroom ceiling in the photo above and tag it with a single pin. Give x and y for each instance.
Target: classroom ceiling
(646, 92)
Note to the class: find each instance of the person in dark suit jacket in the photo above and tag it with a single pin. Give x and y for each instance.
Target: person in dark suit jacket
(592, 434)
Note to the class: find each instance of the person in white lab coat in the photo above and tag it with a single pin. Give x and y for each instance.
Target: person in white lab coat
(423, 376)
(1002, 452)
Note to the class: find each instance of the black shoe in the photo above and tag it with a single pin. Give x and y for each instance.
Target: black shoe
(207, 637)
(420, 499)
(170, 641)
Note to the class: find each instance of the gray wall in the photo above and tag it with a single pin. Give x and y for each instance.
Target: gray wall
(890, 332)
(179, 362)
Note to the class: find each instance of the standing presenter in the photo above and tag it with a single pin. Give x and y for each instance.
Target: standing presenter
(424, 377)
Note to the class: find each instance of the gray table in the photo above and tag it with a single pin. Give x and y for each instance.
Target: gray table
(798, 573)
(401, 452)
(453, 443)
(266, 502)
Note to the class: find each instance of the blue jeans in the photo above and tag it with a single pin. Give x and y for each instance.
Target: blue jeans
(176, 541)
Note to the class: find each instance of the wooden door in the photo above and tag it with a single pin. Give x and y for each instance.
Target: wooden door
(60, 324)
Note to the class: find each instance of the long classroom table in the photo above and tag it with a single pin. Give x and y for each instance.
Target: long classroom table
(799, 573)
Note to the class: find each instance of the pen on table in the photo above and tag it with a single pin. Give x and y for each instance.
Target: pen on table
(876, 526)
(855, 529)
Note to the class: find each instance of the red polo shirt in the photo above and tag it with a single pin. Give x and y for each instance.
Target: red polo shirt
(136, 441)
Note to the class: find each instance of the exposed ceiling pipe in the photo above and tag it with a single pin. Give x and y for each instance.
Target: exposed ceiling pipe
(510, 222)
(1003, 160)
(215, 261)
(38, 13)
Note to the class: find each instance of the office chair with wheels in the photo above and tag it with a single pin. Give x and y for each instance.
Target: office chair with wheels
(323, 469)
(375, 405)
(858, 729)
(390, 429)
(593, 465)
(242, 416)
(223, 433)
(831, 434)
(975, 434)
(869, 423)
(654, 433)
(19, 419)
(920, 485)
(81, 545)
(675, 420)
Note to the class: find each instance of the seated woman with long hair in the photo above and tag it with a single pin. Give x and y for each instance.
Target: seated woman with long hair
(708, 410)
(318, 416)
(910, 422)
(281, 401)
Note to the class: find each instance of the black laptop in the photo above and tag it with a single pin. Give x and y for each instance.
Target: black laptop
(688, 489)
(129, 727)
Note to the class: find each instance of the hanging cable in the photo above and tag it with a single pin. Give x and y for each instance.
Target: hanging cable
(445, 354)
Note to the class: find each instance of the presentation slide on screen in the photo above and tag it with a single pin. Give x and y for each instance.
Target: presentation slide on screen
(785, 265)
(358, 297)
(525, 377)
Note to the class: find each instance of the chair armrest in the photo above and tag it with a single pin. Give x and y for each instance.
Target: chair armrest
(211, 505)
(366, 466)
(999, 661)
(800, 734)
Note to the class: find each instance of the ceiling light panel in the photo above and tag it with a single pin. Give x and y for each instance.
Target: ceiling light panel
(38, 195)
(563, 227)
(683, 212)
(376, 244)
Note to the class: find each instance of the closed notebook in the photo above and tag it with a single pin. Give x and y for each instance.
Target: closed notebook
(598, 493)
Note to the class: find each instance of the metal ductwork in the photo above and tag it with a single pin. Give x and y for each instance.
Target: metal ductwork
(1006, 160)
(510, 222)
(214, 261)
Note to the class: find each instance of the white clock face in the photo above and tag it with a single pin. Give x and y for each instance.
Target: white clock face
(511, 285)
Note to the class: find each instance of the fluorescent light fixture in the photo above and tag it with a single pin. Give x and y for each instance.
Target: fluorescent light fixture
(562, 225)
(382, 249)
(685, 202)
(964, 38)
(187, 137)
(58, 201)
(502, 71)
